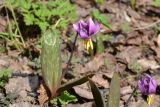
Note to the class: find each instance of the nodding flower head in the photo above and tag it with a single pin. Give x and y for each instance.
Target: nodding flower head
(86, 29)
(147, 85)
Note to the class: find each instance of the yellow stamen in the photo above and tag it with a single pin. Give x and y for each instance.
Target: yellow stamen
(88, 45)
(150, 99)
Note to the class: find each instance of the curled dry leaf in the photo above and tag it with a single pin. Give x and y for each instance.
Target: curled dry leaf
(43, 97)
(83, 92)
(100, 81)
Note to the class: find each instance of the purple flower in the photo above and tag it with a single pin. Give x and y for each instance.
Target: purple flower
(86, 29)
(147, 85)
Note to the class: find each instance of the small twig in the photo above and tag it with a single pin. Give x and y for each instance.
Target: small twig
(150, 25)
(22, 74)
(126, 105)
(70, 58)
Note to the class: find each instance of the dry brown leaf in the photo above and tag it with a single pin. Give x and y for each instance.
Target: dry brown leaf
(83, 92)
(130, 54)
(93, 65)
(108, 74)
(148, 63)
(100, 81)
(158, 40)
(126, 90)
(87, 104)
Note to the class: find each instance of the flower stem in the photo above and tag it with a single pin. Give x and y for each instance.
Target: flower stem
(70, 58)
(126, 105)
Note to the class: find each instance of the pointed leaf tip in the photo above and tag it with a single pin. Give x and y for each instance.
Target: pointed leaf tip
(114, 93)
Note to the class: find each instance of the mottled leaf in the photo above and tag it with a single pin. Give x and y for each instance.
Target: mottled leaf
(114, 93)
(51, 61)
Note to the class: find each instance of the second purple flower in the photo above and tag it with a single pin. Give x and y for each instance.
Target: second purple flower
(147, 85)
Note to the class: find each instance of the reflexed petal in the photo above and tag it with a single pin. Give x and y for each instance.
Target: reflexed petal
(152, 86)
(93, 28)
(76, 27)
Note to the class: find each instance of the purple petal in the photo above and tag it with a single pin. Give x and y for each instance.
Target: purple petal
(152, 86)
(85, 30)
(147, 85)
(93, 28)
(141, 87)
(83, 24)
(78, 26)
(83, 34)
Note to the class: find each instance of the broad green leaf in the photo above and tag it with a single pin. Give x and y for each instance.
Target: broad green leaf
(73, 83)
(51, 61)
(156, 3)
(102, 18)
(98, 98)
(114, 92)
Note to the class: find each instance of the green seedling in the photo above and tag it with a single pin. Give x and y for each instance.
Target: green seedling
(100, 45)
(5, 74)
(135, 67)
(108, 38)
(64, 99)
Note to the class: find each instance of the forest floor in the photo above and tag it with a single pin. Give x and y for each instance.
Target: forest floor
(132, 48)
